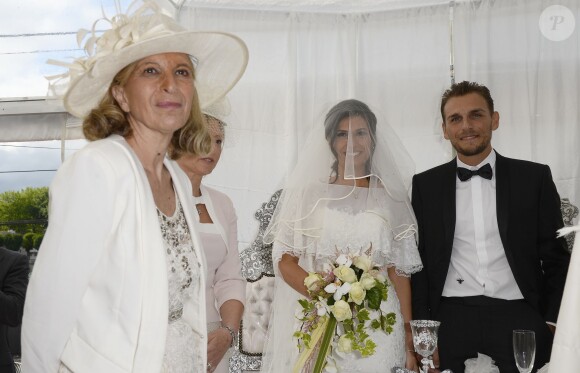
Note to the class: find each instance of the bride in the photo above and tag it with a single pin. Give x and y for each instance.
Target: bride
(347, 194)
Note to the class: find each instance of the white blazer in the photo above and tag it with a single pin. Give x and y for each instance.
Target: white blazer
(98, 295)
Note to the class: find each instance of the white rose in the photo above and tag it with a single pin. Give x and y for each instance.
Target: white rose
(344, 344)
(312, 281)
(357, 293)
(367, 281)
(345, 274)
(363, 262)
(341, 310)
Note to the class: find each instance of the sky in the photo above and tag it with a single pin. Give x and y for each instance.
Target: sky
(31, 32)
(31, 164)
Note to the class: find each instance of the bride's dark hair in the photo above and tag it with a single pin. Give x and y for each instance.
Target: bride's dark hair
(346, 109)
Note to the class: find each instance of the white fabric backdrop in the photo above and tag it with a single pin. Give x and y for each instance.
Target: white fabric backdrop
(398, 62)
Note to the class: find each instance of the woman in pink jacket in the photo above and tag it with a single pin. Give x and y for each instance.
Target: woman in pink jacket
(226, 288)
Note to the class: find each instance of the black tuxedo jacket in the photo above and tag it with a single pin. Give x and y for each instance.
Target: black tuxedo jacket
(14, 270)
(528, 216)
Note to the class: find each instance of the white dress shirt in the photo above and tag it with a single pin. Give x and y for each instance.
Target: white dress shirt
(478, 263)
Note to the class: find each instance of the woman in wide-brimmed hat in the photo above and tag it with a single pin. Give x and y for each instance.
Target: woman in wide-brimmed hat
(118, 285)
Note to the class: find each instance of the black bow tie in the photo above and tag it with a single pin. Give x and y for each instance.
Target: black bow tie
(465, 174)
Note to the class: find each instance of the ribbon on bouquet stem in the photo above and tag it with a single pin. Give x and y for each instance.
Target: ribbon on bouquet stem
(328, 334)
(323, 334)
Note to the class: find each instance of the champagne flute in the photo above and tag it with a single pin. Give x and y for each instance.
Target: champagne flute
(425, 339)
(524, 349)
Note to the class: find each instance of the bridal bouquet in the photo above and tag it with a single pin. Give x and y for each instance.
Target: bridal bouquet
(338, 314)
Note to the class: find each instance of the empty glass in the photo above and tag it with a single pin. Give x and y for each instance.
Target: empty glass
(425, 340)
(524, 349)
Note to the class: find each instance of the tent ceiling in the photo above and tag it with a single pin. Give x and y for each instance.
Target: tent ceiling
(325, 6)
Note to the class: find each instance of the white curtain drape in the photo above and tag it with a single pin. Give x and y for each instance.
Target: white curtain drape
(535, 82)
(397, 61)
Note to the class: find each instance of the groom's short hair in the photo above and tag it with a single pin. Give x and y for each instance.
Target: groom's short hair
(464, 88)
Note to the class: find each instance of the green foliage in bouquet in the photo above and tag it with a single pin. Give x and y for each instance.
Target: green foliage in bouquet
(344, 303)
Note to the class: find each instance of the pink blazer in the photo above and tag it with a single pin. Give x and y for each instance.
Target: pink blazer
(224, 282)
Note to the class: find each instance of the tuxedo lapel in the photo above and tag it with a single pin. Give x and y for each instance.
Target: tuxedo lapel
(502, 182)
(448, 199)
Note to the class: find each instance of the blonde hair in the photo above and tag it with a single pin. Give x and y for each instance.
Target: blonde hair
(108, 119)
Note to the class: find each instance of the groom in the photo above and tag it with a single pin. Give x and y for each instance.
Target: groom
(487, 239)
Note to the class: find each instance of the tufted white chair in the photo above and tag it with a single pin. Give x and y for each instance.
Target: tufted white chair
(257, 268)
(259, 299)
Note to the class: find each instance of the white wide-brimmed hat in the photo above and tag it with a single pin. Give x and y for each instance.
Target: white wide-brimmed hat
(219, 58)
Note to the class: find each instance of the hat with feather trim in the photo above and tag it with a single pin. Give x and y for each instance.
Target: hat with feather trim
(219, 58)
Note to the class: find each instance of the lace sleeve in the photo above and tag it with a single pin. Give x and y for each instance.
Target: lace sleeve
(399, 250)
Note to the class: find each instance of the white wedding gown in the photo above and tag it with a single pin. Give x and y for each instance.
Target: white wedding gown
(349, 228)
(348, 231)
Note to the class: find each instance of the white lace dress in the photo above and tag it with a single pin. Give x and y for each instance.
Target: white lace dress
(349, 228)
(183, 272)
(350, 233)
